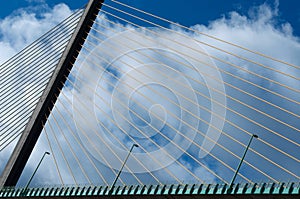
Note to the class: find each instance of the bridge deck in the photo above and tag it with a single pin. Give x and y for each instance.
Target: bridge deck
(263, 190)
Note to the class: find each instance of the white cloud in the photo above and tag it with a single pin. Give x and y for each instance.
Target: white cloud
(18, 30)
(261, 31)
(25, 25)
(6, 51)
(36, 1)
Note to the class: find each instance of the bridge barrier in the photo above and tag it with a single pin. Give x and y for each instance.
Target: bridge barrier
(173, 189)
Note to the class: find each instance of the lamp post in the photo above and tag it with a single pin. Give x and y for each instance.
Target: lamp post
(28, 183)
(240, 164)
(113, 184)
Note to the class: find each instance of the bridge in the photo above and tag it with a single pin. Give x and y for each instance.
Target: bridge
(118, 102)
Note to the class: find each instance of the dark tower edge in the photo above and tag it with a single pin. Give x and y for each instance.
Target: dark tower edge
(34, 127)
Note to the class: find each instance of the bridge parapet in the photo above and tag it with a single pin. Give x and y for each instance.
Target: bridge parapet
(280, 190)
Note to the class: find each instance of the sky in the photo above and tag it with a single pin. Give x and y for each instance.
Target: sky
(191, 12)
(254, 24)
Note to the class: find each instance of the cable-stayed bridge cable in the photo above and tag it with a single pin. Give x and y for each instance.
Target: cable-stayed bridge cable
(207, 35)
(65, 132)
(32, 67)
(261, 112)
(216, 58)
(212, 140)
(166, 76)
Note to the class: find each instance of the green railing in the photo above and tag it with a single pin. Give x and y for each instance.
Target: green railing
(187, 189)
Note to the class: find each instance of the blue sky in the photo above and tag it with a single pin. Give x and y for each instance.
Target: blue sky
(254, 24)
(189, 13)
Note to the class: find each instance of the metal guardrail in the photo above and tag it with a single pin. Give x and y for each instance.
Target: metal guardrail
(187, 189)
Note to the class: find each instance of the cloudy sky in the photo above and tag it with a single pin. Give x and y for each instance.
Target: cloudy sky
(270, 27)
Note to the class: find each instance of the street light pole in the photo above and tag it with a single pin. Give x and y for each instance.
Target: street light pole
(240, 164)
(27, 185)
(119, 173)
